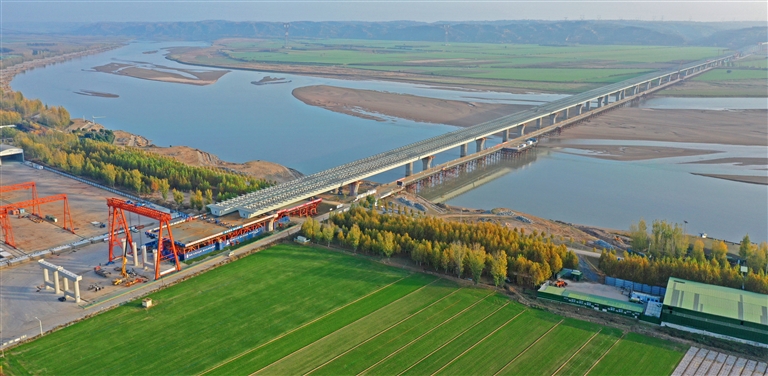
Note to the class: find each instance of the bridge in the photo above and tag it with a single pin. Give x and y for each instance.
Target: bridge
(350, 174)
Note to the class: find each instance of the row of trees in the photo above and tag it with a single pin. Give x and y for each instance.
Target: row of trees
(134, 169)
(463, 249)
(19, 108)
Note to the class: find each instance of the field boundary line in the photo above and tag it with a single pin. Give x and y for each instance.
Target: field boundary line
(382, 332)
(577, 351)
(604, 354)
(476, 344)
(529, 347)
(331, 333)
(425, 333)
(246, 352)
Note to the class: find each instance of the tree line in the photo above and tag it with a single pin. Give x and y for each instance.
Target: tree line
(134, 169)
(19, 110)
(463, 249)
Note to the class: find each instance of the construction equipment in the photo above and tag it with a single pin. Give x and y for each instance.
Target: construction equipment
(5, 222)
(118, 222)
(17, 187)
(560, 283)
(99, 271)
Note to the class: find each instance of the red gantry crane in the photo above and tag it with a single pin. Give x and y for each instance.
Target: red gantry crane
(5, 222)
(17, 187)
(118, 221)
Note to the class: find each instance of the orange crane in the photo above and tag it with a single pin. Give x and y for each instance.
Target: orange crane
(117, 221)
(5, 222)
(17, 187)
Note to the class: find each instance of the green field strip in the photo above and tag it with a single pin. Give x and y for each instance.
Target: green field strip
(253, 290)
(578, 351)
(314, 354)
(349, 311)
(434, 341)
(460, 345)
(640, 355)
(298, 339)
(551, 350)
(371, 354)
(613, 344)
(495, 351)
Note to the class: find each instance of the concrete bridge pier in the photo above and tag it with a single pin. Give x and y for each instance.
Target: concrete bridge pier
(552, 119)
(618, 96)
(623, 93)
(635, 89)
(426, 163)
(579, 108)
(607, 99)
(599, 102)
(409, 169)
(566, 113)
(505, 135)
(353, 188)
(647, 85)
(522, 130)
(480, 144)
(587, 105)
(538, 123)
(463, 150)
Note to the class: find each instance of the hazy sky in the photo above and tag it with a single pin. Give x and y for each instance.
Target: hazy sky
(375, 10)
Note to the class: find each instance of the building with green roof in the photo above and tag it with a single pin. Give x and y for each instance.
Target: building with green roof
(720, 311)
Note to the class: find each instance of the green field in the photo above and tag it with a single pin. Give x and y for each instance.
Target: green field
(571, 68)
(292, 310)
(725, 74)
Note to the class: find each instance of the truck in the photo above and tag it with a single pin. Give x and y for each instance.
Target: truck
(51, 218)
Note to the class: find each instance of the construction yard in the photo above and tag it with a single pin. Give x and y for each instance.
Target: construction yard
(87, 205)
(313, 311)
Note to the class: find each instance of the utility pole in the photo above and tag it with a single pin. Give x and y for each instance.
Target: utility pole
(286, 26)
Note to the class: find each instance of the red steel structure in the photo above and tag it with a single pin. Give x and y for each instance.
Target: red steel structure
(117, 221)
(5, 222)
(17, 187)
(303, 210)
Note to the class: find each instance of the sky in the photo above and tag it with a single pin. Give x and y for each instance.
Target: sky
(21, 11)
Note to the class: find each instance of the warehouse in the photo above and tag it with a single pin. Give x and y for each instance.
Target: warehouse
(715, 310)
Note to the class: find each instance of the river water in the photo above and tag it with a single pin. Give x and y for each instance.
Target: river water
(239, 122)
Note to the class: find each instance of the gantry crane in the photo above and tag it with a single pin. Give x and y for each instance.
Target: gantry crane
(5, 222)
(17, 187)
(117, 221)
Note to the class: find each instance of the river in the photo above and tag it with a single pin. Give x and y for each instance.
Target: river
(239, 121)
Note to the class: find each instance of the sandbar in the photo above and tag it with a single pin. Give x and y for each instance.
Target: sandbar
(733, 127)
(162, 73)
(751, 179)
(270, 80)
(370, 104)
(745, 161)
(634, 153)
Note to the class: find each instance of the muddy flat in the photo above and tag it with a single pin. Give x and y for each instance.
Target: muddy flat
(735, 161)
(376, 105)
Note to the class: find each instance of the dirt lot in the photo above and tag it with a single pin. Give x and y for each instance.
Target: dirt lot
(86, 203)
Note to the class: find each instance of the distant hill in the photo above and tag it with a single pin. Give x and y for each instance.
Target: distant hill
(724, 34)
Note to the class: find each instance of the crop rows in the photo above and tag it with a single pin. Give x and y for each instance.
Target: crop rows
(309, 311)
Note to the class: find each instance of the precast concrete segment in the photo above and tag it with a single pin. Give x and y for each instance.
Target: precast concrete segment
(272, 198)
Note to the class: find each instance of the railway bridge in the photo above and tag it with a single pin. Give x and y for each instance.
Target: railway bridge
(350, 174)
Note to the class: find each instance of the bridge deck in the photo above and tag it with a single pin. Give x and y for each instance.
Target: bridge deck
(271, 198)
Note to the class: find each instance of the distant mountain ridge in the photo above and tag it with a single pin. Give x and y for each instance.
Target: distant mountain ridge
(670, 33)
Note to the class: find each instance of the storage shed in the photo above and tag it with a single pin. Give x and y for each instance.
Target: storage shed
(715, 310)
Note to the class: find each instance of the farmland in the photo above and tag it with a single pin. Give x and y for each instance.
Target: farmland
(298, 310)
(571, 68)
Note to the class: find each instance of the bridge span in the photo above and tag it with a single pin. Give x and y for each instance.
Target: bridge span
(275, 197)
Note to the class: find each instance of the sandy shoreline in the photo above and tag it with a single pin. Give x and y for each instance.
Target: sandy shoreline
(368, 104)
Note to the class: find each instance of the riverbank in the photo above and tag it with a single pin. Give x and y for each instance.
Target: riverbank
(370, 104)
(194, 157)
